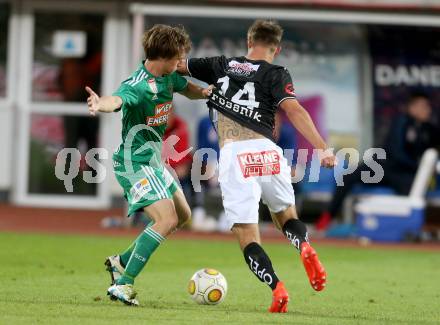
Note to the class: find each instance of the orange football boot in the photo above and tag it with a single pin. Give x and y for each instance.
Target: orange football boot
(314, 269)
(280, 299)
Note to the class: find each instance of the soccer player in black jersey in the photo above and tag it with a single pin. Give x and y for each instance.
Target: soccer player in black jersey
(249, 89)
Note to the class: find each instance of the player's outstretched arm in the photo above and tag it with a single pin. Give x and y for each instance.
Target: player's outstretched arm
(105, 104)
(302, 121)
(193, 91)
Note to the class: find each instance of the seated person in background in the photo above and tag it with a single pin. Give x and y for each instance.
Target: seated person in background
(409, 136)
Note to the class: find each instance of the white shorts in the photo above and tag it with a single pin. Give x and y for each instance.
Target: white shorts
(250, 170)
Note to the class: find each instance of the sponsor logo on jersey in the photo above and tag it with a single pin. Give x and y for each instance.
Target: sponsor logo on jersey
(244, 69)
(225, 103)
(139, 189)
(153, 87)
(261, 163)
(161, 113)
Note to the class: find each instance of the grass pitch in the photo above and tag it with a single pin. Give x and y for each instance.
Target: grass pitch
(61, 280)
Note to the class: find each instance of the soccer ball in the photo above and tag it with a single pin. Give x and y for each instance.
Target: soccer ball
(207, 287)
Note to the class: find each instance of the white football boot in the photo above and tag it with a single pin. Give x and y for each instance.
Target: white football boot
(124, 293)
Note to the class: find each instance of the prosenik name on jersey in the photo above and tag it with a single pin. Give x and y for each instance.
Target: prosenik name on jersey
(227, 104)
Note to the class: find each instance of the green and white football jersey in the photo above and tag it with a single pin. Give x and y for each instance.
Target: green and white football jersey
(147, 103)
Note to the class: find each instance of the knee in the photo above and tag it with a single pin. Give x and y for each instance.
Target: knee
(172, 222)
(167, 223)
(184, 216)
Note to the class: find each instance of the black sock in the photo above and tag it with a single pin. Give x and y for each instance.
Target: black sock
(260, 264)
(296, 232)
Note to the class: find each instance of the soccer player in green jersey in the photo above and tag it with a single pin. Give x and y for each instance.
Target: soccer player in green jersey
(145, 100)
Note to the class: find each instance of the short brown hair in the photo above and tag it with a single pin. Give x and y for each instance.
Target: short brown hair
(166, 42)
(266, 32)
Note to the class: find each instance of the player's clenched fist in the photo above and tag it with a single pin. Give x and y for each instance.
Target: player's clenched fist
(208, 91)
(329, 162)
(92, 101)
(328, 159)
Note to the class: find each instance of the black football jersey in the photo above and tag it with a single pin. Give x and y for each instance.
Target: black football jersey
(247, 91)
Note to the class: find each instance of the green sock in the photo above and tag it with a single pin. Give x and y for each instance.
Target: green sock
(125, 256)
(145, 245)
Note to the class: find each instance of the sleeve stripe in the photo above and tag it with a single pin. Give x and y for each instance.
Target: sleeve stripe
(283, 99)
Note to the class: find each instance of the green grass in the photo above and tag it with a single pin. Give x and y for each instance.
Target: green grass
(61, 280)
